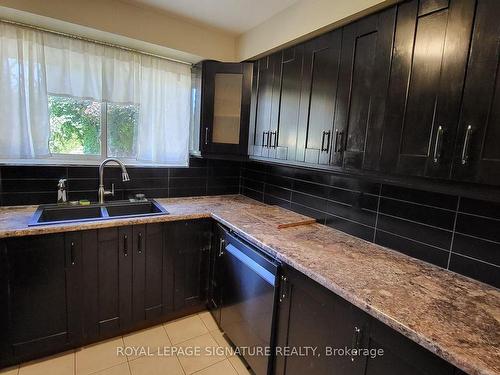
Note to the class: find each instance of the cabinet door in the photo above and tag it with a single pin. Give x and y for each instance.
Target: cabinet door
(44, 286)
(225, 109)
(216, 273)
(318, 96)
(400, 354)
(108, 281)
(147, 275)
(363, 82)
(430, 54)
(477, 155)
(265, 102)
(188, 244)
(311, 316)
(283, 138)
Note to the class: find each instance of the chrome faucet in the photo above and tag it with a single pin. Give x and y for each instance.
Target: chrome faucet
(102, 193)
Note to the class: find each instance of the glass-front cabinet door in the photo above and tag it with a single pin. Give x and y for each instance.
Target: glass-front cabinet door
(225, 107)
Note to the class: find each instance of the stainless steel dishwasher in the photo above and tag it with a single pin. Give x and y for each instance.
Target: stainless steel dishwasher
(248, 289)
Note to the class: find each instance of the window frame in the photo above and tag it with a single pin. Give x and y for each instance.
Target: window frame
(92, 158)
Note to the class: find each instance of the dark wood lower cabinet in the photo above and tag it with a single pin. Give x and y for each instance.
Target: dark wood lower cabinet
(41, 286)
(310, 316)
(60, 291)
(188, 246)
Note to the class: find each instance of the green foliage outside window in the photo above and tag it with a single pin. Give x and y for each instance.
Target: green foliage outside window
(75, 127)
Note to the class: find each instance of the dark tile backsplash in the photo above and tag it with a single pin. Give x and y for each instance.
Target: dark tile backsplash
(21, 185)
(456, 233)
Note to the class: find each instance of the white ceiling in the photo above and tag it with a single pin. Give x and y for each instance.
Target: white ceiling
(235, 16)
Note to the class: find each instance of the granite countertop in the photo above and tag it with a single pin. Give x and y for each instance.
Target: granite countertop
(454, 317)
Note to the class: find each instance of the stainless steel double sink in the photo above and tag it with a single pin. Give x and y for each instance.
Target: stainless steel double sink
(61, 214)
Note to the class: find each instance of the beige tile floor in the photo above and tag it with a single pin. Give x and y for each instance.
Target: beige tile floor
(194, 331)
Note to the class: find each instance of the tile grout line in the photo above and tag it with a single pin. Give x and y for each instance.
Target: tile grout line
(377, 213)
(453, 233)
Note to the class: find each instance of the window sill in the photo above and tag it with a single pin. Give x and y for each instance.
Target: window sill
(81, 163)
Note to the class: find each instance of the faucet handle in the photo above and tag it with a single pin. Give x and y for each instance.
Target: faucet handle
(62, 183)
(112, 192)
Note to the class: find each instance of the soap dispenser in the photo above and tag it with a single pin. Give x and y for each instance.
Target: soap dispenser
(61, 192)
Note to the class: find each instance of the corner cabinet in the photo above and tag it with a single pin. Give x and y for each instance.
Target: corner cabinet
(225, 107)
(40, 295)
(312, 316)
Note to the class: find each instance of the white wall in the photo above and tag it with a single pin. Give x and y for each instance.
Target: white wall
(123, 23)
(302, 20)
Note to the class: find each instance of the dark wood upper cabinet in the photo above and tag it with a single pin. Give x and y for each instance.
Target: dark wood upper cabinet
(362, 89)
(318, 97)
(283, 138)
(477, 155)
(225, 107)
(265, 102)
(41, 289)
(427, 75)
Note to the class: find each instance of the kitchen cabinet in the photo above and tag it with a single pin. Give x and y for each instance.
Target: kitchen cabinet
(108, 266)
(283, 138)
(276, 103)
(362, 89)
(401, 355)
(187, 244)
(431, 46)
(148, 294)
(318, 97)
(265, 103)
(312, 316)
(477, 155)
(41, 289)
(225, 107)
(216, 274)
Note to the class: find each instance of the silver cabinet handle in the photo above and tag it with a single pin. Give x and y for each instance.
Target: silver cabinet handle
(355, 343)
(221, 246)
(265, 139)
(465, 149)
(338, 141)
(283, 288)
(206, 135)
(273, 141)
(439, 144)
(327, 135)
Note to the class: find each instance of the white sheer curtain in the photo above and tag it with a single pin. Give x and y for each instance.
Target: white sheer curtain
(35, 64)
(24, 119)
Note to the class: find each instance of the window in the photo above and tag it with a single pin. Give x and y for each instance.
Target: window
(69, 99)
(82, 126)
